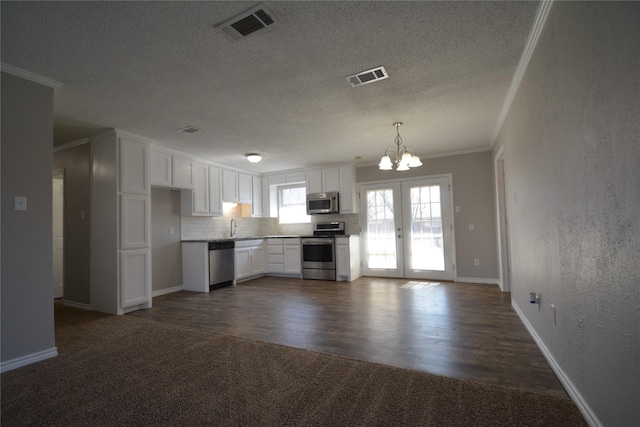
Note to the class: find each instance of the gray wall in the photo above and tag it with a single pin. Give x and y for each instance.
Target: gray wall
(26, 288)
(572, 152)
(166, 249)
(473, 191)
(76, 163)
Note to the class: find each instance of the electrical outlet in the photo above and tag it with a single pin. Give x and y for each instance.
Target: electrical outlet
(172, 230)
(457, 209)
(472, 227)
(476, 262)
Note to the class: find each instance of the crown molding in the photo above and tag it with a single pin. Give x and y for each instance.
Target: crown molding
(28, 75)
(532, 41)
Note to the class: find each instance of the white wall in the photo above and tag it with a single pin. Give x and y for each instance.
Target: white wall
(572, 151)
(26, 290)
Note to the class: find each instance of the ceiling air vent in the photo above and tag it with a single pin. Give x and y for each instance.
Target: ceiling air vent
(189, 130)
(253, 21)
(369, 76)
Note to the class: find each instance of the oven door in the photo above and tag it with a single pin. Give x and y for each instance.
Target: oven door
(318, 253)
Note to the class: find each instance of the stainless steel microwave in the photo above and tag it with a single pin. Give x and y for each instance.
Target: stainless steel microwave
(323, 203)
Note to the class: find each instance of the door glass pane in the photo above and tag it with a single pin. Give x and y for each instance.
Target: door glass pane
(381, 242)
(427, 249)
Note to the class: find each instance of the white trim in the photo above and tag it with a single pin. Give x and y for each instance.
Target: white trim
(28, 75)
(72, 144)
(78, 305)
(479, 280)
(571, 389)
(166, 291)
(19, 362)
(500, 156)
(529, 47)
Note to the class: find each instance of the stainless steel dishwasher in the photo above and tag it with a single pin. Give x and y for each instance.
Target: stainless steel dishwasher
(221, 264)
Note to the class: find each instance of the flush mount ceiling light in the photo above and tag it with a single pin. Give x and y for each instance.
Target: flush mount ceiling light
(254, 157)
(405, 157)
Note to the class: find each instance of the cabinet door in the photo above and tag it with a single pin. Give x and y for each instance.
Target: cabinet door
(243, 263)
(160, 169)
(244, 188)
(342, 262)
(294, 177)
(314, 181)
(134, 167)
(215, 191)
(182, 172)
(135, 283)
(229, 186)
(257, 260)
(256, 197)
(200, 184)
(330, 179)
(292, 261)
(348, 195)
(134, 221)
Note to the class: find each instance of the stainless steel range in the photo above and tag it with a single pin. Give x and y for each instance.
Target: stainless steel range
(319, 251)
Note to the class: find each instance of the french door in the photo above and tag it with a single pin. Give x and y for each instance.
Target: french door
(408, 229)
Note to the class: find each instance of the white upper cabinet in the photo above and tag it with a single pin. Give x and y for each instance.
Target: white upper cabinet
(171, 171)
(245, 187)
(294, 177)
(160, 169)
(182, 172)
(330, 179)
(200, 188)
(314, 181)
(215, 191)
(348, 192)
(256, 196)
(229, 186)
(134, 163)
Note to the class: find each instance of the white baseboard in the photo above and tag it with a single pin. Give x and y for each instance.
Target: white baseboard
(19, 362)
(477, 280)
(571, 389)
(166, 291)
(79, 305)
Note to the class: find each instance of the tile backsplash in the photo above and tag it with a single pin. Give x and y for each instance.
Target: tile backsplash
(197, 228)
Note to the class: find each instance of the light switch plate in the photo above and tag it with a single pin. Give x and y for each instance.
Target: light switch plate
(20, 203)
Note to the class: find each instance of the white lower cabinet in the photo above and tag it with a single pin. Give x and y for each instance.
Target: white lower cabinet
(135, 278)
(348, 265)
(249, 259)
(283, 257)
(292, 259)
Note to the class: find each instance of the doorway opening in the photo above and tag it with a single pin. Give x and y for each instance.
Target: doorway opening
(57, 216)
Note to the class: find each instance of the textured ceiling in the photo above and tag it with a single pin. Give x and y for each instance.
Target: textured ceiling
(153, 67)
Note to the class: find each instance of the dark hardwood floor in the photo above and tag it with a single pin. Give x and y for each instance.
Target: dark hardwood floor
(465, 331)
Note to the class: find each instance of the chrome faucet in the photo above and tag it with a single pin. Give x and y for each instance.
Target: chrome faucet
(234, 225)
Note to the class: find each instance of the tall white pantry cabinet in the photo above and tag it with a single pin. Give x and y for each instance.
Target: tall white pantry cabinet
(120, 223)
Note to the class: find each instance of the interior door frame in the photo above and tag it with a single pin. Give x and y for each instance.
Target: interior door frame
(399, 181)
(502, 229)
(60, 174)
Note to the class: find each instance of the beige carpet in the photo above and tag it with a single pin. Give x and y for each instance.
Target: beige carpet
(119, 370)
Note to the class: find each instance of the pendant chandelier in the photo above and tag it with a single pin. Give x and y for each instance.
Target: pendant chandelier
(405, 157)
